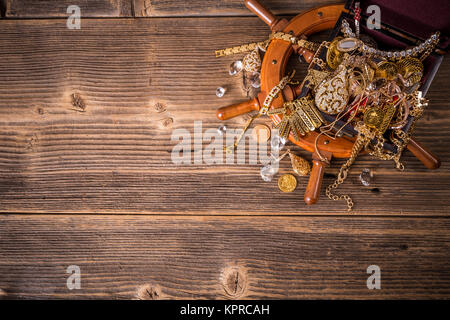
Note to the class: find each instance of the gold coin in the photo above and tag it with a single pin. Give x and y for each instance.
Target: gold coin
(261, 133)
(373, 118)
(287, 183)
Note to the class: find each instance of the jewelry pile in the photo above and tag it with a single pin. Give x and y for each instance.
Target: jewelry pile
(350, 83)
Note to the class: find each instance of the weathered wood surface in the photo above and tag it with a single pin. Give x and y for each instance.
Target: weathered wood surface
(164, 8)
(194, 258)
(112, 152)
(150, 8)
(58, 8)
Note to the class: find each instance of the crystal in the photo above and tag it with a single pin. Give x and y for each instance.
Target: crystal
(268, 172)
(255, 80)
(220, 92)
(389, 54)
(366, 177)
(277, 143)
(402, 53)
(428, 41)
(409, 52)
(235, 67)
(434, 37)
(396, 54)
(421, 47)
(415, 49)
(222, 129)
(372, 50)
(365, 47)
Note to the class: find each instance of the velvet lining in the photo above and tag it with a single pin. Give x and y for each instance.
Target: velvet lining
(419, 18)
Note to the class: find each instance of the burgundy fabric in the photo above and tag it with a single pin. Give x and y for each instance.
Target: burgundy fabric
(420, 18)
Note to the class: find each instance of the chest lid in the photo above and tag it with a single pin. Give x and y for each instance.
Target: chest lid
(417, 18)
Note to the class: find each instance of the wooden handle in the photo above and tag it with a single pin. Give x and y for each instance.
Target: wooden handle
(265, 15)
(425, 156)
(307, 54)
(312, 192)
(234, 110)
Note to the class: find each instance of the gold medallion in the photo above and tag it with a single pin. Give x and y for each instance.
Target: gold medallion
(287, 183)
(373, 117)
(332, 95)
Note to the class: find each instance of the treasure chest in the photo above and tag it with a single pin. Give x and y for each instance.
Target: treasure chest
(403, 25)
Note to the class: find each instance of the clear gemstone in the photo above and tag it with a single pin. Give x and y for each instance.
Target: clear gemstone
(415, 50)
(277, 143)
(409, 52)
(372, 50)
(422, 46)
(428, 41)
(434, 37)
(255, 80)
(222, 129)
(396, 54)
(366, 177)
(403, 53)
(235, 67)
(389, 54)
(220, 92)
(365, 47)
(268, 172)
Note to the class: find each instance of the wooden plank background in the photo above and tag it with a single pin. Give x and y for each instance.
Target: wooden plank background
(109, 152)
(194, 257)
(150, 8)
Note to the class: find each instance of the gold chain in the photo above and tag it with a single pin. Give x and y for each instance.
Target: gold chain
(399, 137)
(264, 44)
(365, 135)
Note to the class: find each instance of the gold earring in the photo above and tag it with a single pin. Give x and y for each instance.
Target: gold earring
(386, 70)
(411, 70)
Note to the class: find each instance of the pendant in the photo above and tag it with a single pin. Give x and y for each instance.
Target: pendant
(332, 95)
(299, 165)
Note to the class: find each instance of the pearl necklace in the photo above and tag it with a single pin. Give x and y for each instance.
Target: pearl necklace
(425, 47)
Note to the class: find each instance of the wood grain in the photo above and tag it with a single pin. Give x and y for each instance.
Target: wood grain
(111, 152)
(150, 8)
(168, 8)
(190, 258)
(52, 8)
